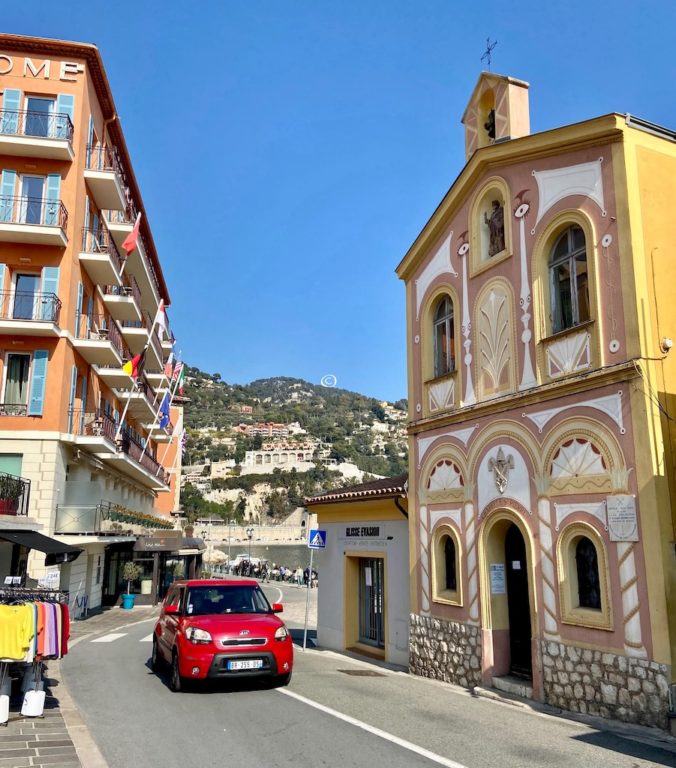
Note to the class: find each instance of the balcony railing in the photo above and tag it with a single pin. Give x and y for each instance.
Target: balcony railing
(135, 451)
(18, 122)
(127, 216)
(13, 409)
(36, 211)
(101, 328)
(100, 241)
(29, 305)
(15, 494)
(102, 158)
(129, 288)
(104, 517)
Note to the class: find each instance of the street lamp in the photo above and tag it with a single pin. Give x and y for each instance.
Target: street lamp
(230, 524)
(250, 533)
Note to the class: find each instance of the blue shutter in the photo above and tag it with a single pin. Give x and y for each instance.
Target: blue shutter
(11, 103)
(71, 399)
(50, 292)
(53, 199)
(90, 138)
(85, 231)
(38, 381)
(78, 310)
(4, 298)
(90, 315)
(7, 187)
(83, 399)
(65, 105)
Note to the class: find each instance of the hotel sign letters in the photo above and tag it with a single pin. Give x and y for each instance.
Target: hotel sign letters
(363, 535)
(356, 531)
(27, 67)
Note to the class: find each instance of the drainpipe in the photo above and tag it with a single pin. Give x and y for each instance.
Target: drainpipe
(399, 507)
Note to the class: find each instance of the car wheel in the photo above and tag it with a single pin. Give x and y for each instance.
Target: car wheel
(283, 679)
(175, 679)
(155, 659)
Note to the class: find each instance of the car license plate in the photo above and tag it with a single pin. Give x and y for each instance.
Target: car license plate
(246, 664)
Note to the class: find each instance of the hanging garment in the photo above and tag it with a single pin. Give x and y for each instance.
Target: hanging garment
(16, 630)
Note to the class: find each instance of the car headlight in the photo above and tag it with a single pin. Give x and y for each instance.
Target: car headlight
(282, 633)
(197, 635)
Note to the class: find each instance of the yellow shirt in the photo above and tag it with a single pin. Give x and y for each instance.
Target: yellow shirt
(16, 630)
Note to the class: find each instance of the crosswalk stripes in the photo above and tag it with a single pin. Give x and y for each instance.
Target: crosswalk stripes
(109, 638)
(147, 639)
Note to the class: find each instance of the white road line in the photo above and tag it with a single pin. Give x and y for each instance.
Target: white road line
(147, 639)
(375, 731)
(109, 638)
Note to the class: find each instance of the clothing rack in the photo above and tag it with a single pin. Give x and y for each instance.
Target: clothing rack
(33, 593)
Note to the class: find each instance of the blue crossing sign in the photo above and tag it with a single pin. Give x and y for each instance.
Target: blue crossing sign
(316, 539)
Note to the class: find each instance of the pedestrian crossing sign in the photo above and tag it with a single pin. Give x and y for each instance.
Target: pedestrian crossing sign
(316, 539)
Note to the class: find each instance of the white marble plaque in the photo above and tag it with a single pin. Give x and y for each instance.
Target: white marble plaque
(622, 523)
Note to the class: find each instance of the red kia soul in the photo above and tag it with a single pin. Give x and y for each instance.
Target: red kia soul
(221, 629)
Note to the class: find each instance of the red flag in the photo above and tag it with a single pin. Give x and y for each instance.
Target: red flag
(130, 242)
(134, 366)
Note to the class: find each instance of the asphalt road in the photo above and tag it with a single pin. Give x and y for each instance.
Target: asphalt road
(337, 712)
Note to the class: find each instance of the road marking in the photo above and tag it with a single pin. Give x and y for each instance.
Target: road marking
(147, 639)
(375, 731)
(109, 638)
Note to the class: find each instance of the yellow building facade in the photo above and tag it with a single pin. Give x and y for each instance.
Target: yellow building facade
(539, 326)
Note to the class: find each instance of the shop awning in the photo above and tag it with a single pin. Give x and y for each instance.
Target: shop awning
(56, 551)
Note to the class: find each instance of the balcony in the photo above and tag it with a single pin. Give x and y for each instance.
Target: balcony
(36, 134)
(123, 301)
(100, 257)
(103, 175)
(142, 405)
(15, 494)
(105, 518)
(13, 409)
(136, 333)
(99, 341)
(33, 220)
(98, 433)
(29, 313)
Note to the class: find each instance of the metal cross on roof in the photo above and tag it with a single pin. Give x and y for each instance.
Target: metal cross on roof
(489, 49)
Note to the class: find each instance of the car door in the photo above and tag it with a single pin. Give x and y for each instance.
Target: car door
(169, 623)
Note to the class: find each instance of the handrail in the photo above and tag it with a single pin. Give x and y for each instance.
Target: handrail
(23, 122)
(100, 241)
(101, 328)
(37, 211)
(13, 409)
(29, 305)
(101, 157)
(15, 493)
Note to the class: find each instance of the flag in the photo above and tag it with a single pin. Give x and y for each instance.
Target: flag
(178, 376)
(164, 411)
(131, 240)
(184, 442)
(160, 320)
(134, 367)
(169, 366)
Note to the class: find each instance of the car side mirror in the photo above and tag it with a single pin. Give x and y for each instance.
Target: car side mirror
(170, 610)
(277, 607)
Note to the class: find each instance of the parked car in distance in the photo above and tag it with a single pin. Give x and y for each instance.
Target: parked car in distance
(221, 629)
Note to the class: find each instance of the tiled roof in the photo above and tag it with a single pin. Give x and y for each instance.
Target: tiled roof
(386, 486)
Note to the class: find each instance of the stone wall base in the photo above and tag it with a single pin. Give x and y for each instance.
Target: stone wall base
(445, 650)
(605, 684)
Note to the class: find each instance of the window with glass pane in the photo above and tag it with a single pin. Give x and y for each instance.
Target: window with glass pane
(588, 582)
(26, 297)
(444, 338)
(16, 384)
(449, 556)
(38, 115)
(568, 280)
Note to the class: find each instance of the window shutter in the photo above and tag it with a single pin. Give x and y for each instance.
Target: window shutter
(4, 299)
(83, 399)
(65, 105)
(53, 199)
(50, 292)
(90, 138)
(90, 314)
(85, 233)
(11, 103)
(38, 381)
(71, 399)
(7, 187)
(78, 309)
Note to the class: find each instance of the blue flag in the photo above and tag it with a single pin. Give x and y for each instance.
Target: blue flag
(164, 411)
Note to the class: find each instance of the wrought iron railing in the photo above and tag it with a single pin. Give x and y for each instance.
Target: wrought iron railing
(129, 288)
(20, 122)
(13, 409)
(37, 211)
(127, 216)
(15, 494)
(102, 158)
(101, 328)
(29, 305)
(100, 241)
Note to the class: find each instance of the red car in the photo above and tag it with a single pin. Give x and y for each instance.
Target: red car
(223, 629)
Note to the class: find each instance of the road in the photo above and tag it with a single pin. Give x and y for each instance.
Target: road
(337, 712)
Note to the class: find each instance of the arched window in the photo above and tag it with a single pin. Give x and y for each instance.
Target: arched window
(444, 337)
(588, 581)
(569, 280)
(449, 559)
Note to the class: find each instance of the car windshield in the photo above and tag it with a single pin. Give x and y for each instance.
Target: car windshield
(218, 599)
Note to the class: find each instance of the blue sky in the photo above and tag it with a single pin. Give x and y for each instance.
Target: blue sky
(290, 151)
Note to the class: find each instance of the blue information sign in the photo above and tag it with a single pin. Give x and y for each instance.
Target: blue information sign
(316, 539)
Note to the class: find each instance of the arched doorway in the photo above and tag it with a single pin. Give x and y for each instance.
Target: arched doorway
(518, 603)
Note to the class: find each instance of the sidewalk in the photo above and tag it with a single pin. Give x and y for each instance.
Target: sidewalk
(60, 739)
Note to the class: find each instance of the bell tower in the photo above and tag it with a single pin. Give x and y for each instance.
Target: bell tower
(497, 111)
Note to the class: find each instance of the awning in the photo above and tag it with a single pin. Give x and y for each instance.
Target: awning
(56, 551)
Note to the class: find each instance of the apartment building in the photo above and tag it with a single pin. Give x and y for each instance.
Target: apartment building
(73, 309)
(541, 393)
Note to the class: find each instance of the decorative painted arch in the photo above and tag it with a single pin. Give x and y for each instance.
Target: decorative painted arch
(494, 324)
(493, 188)
(499, 430)
(581, 455)
(443, 476)
(430, 301)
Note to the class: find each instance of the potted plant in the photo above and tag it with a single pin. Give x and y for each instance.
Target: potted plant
(130, 572)
(11, 490)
